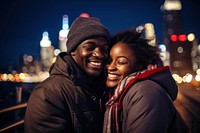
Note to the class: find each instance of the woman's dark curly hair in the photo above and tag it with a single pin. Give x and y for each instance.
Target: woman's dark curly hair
(145, 53)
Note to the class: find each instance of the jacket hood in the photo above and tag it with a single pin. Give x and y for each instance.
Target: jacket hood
(166, 80)
(60, 67)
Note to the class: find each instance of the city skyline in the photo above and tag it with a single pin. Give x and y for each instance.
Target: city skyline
(24, 22)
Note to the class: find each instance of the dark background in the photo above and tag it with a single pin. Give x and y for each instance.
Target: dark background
(22, 22)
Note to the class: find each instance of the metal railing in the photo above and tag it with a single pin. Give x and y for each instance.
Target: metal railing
(23, 105)
(16, 109)
(13, 124)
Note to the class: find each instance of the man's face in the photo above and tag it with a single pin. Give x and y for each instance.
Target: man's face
(91, 55)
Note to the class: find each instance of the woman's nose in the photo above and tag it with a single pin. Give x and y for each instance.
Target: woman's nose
(111, 66)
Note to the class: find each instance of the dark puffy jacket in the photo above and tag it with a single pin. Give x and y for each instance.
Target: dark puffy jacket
(64, 102)
(148, 106)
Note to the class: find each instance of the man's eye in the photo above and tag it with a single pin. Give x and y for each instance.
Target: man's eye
(89, 48)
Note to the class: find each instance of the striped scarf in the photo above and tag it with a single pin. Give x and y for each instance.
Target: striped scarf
(112, 122)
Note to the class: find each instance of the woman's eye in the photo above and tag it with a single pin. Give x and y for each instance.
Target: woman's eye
(121, 62)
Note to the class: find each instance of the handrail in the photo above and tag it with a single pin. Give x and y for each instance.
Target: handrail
(12, 125)
(19, 89)
(23, 105)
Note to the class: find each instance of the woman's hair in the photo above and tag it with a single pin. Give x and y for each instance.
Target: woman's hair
(145, 53)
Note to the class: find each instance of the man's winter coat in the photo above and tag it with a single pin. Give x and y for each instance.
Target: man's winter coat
(65, 102)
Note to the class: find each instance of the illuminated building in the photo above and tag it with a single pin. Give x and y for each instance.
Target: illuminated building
(46, 52)
(63, 34)
(164, 54)
(172, 19)
(150, 33)
(176, 41)
(28, 64)
(195, 52)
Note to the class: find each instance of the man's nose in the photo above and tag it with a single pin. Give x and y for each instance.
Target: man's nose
(97, 52)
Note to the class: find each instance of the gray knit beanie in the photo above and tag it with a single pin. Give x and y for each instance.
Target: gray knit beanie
(85, 28)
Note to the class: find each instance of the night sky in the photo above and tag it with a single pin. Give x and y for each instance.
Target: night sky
(22, 22)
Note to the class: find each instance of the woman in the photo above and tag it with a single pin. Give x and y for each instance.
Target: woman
(144, 90)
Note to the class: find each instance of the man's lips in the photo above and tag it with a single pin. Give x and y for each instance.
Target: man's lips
(96, 64)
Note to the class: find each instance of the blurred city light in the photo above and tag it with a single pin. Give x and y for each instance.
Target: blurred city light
(86, 15)
(57, 51)
(45, 42)
(162, 47)
(172, 5)
(182, 37)
(191, 37)
(197, 77)
(174, 38)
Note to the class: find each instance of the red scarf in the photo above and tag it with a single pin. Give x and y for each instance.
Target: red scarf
(112, 122)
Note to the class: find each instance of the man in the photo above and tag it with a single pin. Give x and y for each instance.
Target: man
(69, 100)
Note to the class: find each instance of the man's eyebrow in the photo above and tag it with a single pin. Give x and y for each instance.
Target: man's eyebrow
(89, 41)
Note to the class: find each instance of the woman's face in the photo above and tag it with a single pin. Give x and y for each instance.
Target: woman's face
(122, 63)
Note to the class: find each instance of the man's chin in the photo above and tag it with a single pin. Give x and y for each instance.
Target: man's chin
(94, 73)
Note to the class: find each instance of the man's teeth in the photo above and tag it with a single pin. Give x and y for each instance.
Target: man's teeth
(96, 63)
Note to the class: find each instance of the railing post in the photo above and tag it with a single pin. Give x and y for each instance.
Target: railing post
(18, 101)
(18, 94)
(15, 125)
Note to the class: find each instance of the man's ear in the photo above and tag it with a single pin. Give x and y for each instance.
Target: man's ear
(72, 53)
